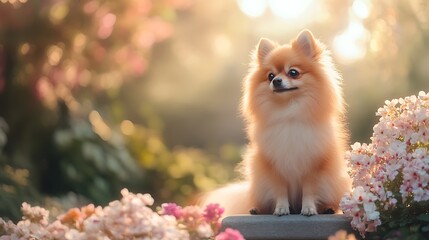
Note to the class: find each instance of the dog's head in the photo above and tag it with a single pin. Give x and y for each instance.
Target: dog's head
(300, 72)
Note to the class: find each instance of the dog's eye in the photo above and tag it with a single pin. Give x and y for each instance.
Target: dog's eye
(271, 76)
(293, 73)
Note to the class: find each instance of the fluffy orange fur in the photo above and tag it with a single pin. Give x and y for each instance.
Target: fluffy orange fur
(293, 106)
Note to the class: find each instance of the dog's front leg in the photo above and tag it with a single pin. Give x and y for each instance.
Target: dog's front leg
(308, 198)
(282, 206)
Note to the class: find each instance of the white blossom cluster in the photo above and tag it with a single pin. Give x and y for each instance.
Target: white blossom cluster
(128, 218)
(393, 170)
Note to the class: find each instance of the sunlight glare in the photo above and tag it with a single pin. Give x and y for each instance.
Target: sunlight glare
(350, 45)
(222, 45)
(252, 8)
(289, 9)
(361, 8)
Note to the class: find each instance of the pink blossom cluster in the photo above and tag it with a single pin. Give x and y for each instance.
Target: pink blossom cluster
(128, 218)
(201, 223)
(393, 170)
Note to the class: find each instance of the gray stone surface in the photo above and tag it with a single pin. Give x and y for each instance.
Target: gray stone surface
(266, 227)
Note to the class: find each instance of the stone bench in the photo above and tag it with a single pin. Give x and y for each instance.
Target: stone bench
(267, 227)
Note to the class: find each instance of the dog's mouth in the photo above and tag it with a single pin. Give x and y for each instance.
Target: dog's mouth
(279, 90)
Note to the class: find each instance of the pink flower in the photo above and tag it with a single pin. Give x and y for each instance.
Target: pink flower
(213, 212)
(191, 217)
(230, 234)
(171, 209)
(395, 163)
(200, 223)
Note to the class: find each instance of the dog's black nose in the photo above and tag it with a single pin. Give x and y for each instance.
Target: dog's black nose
(277, 82)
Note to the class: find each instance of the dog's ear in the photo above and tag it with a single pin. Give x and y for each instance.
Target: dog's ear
(307, 44)
(265, 46)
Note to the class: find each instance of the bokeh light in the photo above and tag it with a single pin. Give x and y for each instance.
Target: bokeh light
(99, 126)
(127, 127)
(289, 9)
(361, 8)
(284, 9)
(350, 45)
(253, 8)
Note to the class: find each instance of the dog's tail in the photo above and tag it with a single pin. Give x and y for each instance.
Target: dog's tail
(234, 198)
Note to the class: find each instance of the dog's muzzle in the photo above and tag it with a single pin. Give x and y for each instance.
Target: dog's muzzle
(278, 85)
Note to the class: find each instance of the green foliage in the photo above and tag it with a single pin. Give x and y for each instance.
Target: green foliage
(14, 184)
(409, 222)
(177, 174)
(89, 165)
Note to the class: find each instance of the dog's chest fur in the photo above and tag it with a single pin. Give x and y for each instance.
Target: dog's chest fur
(294, 147)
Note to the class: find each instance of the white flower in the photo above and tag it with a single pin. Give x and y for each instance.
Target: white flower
(397, 149)
(204, 231)
(371, 211)
(397, 154)
(419, 194)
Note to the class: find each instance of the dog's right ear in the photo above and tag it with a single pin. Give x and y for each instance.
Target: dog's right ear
(307, 44)
(265, 46)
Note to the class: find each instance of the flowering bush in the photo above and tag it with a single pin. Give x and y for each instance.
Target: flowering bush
(128, 218)
(390, 175)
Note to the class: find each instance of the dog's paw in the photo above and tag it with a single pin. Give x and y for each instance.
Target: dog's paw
(280, 211)
(282, 207)
(308, 211)
(254, 211)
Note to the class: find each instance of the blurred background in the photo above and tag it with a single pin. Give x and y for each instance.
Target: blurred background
(98, 95)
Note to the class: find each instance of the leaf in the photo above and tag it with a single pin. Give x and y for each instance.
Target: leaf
(404, 222)
(425, 228)
(392, 224)
(414, 237)
(423, 217)
(415, 228)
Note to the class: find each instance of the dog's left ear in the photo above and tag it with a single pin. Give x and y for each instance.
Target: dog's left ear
(307, 44)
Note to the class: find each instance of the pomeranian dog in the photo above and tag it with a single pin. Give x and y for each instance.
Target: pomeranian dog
(293, 106)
